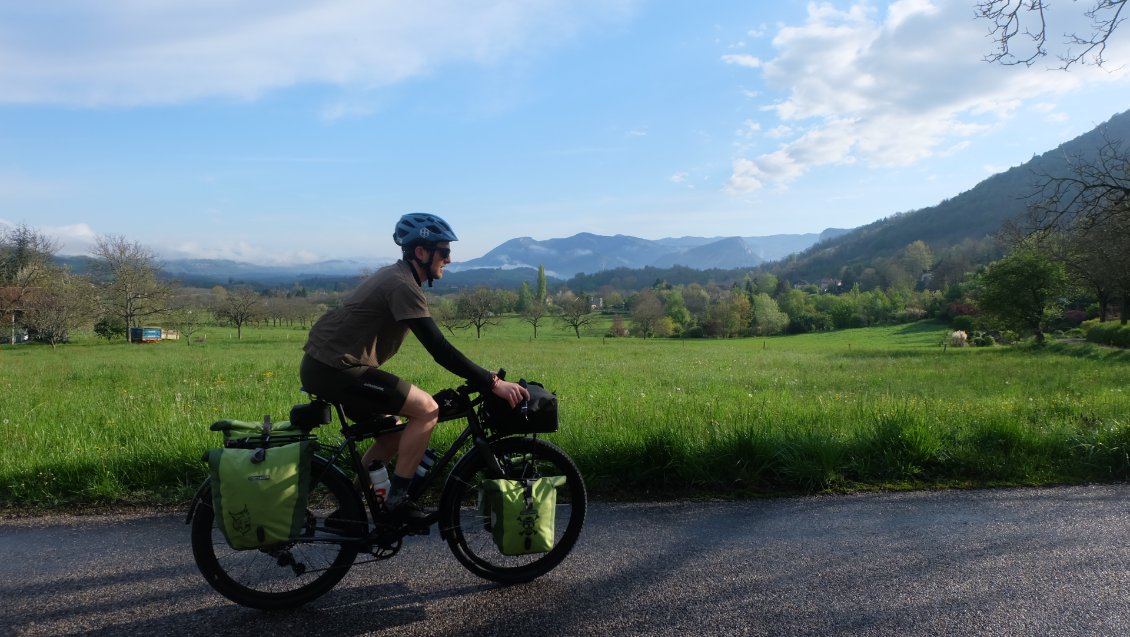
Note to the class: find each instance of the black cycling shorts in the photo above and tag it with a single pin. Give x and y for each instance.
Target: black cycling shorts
(365, 392)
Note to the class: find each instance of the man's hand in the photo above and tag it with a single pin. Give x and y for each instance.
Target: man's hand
(512, 393)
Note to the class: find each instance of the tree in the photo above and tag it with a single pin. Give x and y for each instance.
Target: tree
(26, 267)
(1087, 215)
(730, 315)
(1026, 21)
(534, 314)
(239, 306)
(446, 315)
(618, 330)
(543, 289)
(26, 257)
(188, 320)
(525, 298)
(768, 319)
(1021, 290)
(108, 327)
(576, 313)
(647, 310)
(478, 309)
(675, 309)
(67, 303)
(130, 287)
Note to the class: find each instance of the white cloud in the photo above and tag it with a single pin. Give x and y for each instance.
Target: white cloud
(748, 129)
(77, 238)
(742, 59)
(238, 250)
(128, 53)
(887, 89)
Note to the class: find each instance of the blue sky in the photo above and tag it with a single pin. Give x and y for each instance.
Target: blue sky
(292, 131)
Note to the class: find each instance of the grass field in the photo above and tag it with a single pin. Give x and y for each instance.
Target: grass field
(97, 422)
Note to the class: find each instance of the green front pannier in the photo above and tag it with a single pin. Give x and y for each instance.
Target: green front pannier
(521, 513)
(259, 495)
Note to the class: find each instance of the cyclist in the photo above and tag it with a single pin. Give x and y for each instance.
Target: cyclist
(349, 343)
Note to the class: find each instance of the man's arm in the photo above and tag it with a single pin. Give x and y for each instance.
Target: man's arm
(444, 353)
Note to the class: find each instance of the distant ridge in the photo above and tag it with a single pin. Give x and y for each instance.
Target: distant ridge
(974, 215)
(586, 253)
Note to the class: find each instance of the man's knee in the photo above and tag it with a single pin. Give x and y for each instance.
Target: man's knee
(421, 406)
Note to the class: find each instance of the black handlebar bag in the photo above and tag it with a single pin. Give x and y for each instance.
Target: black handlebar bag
(535, 416)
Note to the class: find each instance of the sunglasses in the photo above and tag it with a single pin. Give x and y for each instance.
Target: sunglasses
(443, 253)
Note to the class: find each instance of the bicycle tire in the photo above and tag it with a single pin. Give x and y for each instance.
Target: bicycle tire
(467, 531)
(266, 579)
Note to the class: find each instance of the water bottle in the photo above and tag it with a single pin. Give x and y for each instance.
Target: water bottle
(426, 463)
(378, 475)
(422, 470)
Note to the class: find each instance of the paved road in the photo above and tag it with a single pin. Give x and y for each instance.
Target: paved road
(997, 562)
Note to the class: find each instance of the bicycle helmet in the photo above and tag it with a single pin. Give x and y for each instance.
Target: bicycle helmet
(421, 228)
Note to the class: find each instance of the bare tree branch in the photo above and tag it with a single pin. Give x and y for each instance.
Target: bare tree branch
(1019, 29)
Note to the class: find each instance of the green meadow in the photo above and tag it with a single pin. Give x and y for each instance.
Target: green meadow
(95, 423)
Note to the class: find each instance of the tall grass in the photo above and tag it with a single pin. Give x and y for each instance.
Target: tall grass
(859, 409)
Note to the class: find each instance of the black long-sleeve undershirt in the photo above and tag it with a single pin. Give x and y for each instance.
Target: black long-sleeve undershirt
(444, 353)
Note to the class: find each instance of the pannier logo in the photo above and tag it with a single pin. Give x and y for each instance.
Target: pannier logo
(258, 477)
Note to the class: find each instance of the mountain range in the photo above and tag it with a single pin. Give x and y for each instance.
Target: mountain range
(513, 261)
(974, 215)
(586, 253)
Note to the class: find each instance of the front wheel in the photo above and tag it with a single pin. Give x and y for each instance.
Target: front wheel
(293, 573)
(467, 528)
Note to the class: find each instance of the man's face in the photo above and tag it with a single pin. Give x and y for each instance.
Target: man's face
(440, 258)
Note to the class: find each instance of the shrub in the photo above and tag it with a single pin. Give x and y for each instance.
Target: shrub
(963, 323)
(954, 310)
(1108, 333)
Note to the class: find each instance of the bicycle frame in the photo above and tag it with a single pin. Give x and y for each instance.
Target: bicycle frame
(348, 451)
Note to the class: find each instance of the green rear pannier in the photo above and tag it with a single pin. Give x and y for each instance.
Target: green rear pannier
(249, 433)
(521, 513)
(259, 495)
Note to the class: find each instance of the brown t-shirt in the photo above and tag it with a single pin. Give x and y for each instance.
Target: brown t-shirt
(368, 328)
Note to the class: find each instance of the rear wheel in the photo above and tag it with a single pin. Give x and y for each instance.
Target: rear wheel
(297, 571)
(467, 527)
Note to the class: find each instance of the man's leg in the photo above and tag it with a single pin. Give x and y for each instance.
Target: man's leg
(422, 413)
(382, 449)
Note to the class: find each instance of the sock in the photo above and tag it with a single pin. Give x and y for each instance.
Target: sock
(398, 490)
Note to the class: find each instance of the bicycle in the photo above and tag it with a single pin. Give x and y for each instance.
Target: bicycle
(338, 528)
